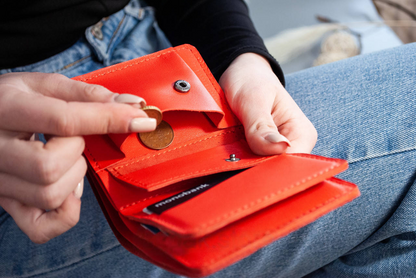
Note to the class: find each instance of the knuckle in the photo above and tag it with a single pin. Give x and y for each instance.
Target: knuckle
(49, 198)
(38, 237)
(71, 219)
(264, 125)
(91, 91)
(53, 78)
(84, 165)
(56, 77)
(46, 168)
(64, 125)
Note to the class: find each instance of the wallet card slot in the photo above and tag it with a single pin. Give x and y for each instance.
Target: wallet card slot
(203, 256)
(190, 193)
(193, 162)
(128, 199)
(244, 237)
(242, 195)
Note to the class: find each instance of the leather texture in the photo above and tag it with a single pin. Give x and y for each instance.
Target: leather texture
(271, 196)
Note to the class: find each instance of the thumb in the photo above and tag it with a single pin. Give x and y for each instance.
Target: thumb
(262, 134)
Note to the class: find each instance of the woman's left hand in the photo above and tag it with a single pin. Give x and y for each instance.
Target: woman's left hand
(273, 122)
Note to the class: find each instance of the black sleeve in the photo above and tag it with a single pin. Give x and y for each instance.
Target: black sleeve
(221, 30)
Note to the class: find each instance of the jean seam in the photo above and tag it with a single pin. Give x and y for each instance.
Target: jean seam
(116, 33)
(73, 64)
(381, 155)
(74, 263)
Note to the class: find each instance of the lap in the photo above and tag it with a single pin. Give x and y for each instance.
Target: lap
(364, 111)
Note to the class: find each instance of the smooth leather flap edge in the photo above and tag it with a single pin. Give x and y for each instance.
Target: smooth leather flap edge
(195, 164)
(152, 77)
(243, 194)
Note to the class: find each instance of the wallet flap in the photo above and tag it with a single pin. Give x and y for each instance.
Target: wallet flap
(153, 77)
(206, 255)
(243, 194)
(244, 237)
(198, 158)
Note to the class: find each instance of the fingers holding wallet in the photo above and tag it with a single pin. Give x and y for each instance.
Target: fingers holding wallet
(273, 122)
(40, 225)
(41, 193)
(40, 183)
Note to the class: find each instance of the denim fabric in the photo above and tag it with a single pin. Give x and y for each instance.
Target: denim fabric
(127, 34)
(364, 111)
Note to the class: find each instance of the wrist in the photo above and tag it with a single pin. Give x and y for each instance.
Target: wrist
(248, 67)
(249, 60)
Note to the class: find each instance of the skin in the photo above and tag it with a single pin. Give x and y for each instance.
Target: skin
(264, 107)
(40, 183)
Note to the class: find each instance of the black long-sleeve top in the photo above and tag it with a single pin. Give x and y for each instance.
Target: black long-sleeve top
(31, 31)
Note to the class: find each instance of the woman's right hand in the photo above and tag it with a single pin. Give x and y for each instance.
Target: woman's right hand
(41, 184)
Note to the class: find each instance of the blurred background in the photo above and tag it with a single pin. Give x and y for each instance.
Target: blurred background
(305, 33)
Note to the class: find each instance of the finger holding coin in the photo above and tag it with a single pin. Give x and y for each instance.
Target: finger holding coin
(153, 112)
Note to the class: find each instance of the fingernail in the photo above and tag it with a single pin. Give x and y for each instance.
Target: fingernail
(79, 190)
(277, 138)
(130, 99)
(142, 125)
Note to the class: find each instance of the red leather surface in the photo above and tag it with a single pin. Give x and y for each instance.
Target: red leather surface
(206, 255)
(252, 190)
(275, 196)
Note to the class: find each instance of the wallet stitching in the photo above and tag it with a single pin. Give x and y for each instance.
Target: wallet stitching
(202, 65)
(198, 58)
(282, 225)
(240, 166)
(145, 199)
(311, 156)
(92, 157)
(263, 199)
(129, 162)
(256, 202)
(207, 72)
(187, 174)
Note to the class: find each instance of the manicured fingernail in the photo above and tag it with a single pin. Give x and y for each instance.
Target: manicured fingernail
(130, 99)
(277, 138)
(79, 190)
(142, 125)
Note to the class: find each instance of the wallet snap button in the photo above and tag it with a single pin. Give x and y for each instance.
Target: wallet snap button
(182, 86)
(232, 158)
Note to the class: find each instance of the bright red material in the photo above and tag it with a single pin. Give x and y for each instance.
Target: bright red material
(273, 197)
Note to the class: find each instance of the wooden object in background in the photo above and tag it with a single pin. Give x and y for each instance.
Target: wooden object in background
(399, 10)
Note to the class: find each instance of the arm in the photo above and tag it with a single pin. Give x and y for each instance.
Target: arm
(221, 30)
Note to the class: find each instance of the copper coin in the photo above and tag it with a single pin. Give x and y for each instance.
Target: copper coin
(153, 112)
(158, 139)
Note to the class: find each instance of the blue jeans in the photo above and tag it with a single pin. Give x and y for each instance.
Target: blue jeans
(364, 109)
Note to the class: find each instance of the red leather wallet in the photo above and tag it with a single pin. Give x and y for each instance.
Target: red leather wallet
(205, 201)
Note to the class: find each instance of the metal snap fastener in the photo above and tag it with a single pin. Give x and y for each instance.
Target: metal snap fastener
(97, 32)
(232, 158)
(182, 86)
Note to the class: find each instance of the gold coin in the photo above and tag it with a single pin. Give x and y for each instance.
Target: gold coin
(153, 112)
(158, 139)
